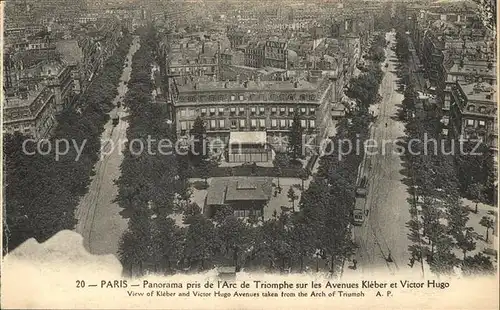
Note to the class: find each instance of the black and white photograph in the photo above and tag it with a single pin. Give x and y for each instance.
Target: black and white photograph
(228, 143)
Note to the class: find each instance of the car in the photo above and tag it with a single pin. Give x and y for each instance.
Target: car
(362, 189)
(358, 217)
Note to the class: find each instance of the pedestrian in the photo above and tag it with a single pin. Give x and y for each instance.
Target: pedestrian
(385, 124)
(354, 264)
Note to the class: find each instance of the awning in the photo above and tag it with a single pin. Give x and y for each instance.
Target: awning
(247, 137)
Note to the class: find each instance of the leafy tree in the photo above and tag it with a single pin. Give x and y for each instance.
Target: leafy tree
(478, 264)
(488, 223)
(136, 245)
(476, 193)
(205, 167)
(304, 174)
(198, 134)
(476, 169)
(192, 210)
(301, 239)
(443, 260)
(169, 239)
(433, 229)
(465, 241)
(292, 197)
(222, 213)
(233, 237)
(199, 241)
(280, 161)
(296, 137)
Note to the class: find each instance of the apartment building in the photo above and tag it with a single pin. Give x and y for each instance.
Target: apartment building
(267, 107)
(30, 112)
(473, 112)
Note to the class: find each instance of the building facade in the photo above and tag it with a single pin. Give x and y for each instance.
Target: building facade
(473, 113)
(256, 106)
(275, 54)
(254, 54)
(30, 112)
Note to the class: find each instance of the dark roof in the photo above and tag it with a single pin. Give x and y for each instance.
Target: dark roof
(229, 189)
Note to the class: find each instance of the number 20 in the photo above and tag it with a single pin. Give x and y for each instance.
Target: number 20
(80, 283)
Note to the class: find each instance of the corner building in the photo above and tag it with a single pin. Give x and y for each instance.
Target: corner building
(230, 109)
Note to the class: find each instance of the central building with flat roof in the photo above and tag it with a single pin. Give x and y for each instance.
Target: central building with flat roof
(247, 196)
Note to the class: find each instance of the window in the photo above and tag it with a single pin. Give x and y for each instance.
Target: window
(273, 110)
(253, 123)
(312, 124)
(213, 124)
(221, 111)
(470, 122)
(233, 110)
(212, 111)
(183, 113)
(262, 123)
(239, 213)
(290, 122)
(262, 110)
(482, 109)
(222, 124)
(282, 123)
(253, 110)
(312, 111)
(242, 123)
(257, 213)
(232, 98)
(274, 123)
(291, 111)
(482, 123)
(242, 110)
(471, 108)
(203, 111)
(183, 126)
(303, 123)
(282, 111)
(303, 110)
(241, 97)
(233, 123)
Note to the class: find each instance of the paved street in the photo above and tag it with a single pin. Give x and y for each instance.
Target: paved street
(99, 219)
(384, 230)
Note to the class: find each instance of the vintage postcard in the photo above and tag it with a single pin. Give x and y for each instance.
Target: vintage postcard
(249, 154)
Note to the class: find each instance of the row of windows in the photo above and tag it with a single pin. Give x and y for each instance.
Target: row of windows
(475, 123)
(247, 213)
(253, 111)
(188, 69)
(481, 109)
(251, 97)
(203, 61)
(254, 123)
